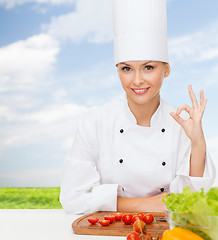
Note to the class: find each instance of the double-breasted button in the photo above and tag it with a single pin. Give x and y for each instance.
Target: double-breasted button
(162, 189)
(121, 160)
(163, 163)
(121, 130)
(163, 130)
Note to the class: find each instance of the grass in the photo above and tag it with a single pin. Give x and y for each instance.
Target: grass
(30, 198)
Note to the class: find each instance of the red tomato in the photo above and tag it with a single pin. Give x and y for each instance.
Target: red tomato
(133, 236)
(139, 226)
(93, 220)
(127, 218)
(140, 214)
(118, 216)
(148, 236)
(104, 222)
(110, 217)
(136, 217)
(148, 218)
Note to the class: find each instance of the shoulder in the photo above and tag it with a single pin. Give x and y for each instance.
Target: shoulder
(107, 110)
(167, 107)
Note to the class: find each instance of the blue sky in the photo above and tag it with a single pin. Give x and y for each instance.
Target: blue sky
(56, 62)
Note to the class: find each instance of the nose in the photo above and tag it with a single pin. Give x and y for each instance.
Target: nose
(138, 78)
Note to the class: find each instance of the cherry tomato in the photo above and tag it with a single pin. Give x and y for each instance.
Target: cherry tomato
(118, 216)
(133, 236)
(148, 218)
(140, 214)
(136, 217)
(93, 220)
(127, 218)
(148, 236)
(104, 222)
(139, 226)
(110, 217)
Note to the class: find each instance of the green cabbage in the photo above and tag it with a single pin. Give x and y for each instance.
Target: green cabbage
(195, 211)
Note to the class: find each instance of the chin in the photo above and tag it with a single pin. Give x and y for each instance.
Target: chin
(140, 100)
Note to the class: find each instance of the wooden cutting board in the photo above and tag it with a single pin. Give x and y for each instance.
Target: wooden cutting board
(118, 228)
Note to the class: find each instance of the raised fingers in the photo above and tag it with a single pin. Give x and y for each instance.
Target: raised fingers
(201, 97)
(192, 96)
(185, 107)
(203, 105)
(203, 101)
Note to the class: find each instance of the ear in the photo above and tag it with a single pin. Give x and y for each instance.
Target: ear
(167, 70)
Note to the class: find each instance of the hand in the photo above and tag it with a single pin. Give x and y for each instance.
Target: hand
(192, 126)
(143, 204)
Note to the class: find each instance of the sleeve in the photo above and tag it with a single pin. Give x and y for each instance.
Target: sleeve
(81, 188)
(182, 177)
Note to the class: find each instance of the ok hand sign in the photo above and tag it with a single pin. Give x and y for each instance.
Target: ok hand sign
(192, 126)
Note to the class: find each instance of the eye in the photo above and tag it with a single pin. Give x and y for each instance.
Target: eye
(149, 67)
(126, 69)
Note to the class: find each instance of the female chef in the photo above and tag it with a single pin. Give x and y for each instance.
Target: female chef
(129, 153)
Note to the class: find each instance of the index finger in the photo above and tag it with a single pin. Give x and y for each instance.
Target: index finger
(192, 96)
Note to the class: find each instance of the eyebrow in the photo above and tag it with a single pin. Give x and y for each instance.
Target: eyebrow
(130, 65)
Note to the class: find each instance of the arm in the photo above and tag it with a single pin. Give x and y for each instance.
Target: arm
(197, 158)
(147, 204)
(81, 188)
(193, 129)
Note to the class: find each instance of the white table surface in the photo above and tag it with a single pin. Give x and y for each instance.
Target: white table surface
(28, 224)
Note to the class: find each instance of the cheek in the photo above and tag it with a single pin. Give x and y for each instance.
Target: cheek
(155, 79)
(125, 79)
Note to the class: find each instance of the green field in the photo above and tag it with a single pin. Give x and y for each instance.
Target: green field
(29, 198)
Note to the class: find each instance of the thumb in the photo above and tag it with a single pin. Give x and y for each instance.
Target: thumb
(177, 118)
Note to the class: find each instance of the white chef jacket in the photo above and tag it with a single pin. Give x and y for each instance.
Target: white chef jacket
(113, 156)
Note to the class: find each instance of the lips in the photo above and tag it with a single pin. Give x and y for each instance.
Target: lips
(140, 91)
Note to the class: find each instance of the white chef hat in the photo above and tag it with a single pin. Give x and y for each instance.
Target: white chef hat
(140, 30)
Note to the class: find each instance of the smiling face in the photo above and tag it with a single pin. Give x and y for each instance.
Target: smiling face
(142, 80)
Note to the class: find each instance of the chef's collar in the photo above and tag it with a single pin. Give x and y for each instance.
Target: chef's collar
(155, 119)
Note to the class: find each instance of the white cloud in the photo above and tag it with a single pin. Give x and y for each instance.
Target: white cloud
(25, 62)
(211, 79)
(54, 124)
(92, 21)
(198, 47)
(27, 120)
(31, 178)
(24, 122)
(53, 114)
(98, 84)
(6, 113)
(13, 3)
(49, 115)
(99, 77)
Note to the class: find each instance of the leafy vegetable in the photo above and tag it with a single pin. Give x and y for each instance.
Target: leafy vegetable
(195, 211)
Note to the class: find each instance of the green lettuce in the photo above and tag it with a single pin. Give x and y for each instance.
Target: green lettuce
(195, 211)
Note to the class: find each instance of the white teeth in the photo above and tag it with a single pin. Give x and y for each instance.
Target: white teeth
(140, 90)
